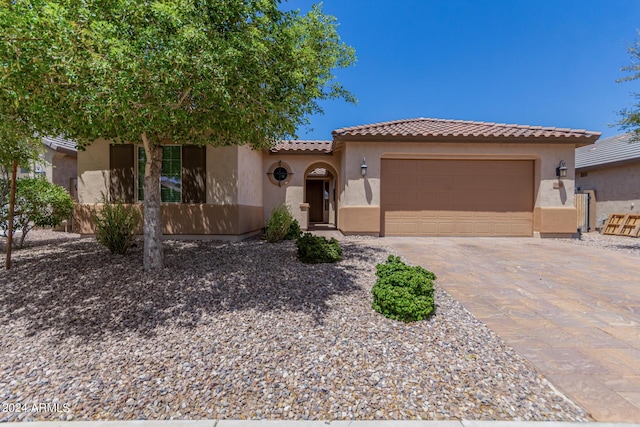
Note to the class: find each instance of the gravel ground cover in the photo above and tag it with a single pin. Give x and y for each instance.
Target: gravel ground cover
(242, 330)
(626, 244)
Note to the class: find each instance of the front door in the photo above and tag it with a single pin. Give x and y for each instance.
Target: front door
(315, 200)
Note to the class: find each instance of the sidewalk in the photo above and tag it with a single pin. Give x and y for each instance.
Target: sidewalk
(300, 423)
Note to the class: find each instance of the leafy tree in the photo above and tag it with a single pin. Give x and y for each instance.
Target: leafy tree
(17, 143)
(202, 72)
(18, 147)
(39, 203)
(631, 116)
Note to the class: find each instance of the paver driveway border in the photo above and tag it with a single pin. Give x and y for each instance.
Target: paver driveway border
(572, 311)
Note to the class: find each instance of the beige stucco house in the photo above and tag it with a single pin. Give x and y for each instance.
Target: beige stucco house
(418, 177)
(58, 165)
(609, 171)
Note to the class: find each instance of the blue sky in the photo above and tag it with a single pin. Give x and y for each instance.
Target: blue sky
(534, 62)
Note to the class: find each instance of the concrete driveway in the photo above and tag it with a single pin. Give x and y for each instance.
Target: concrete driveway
(572, 311)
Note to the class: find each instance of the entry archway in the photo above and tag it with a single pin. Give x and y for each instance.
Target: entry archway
(320, 193)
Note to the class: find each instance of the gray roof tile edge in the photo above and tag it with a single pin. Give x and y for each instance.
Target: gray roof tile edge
(613, 149)
(55, 142)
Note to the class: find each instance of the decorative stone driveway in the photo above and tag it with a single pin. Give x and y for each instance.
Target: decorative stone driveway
(572, 311)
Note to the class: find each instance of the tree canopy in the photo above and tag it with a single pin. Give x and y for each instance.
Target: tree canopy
(631, 116)
(202, 72)
(195, 71)
(17, 142)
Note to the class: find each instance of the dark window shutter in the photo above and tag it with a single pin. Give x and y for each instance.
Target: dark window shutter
(121, 166)
(193, 174)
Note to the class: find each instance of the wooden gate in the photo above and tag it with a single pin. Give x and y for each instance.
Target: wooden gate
(581, 202)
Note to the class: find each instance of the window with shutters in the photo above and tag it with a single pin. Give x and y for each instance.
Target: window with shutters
(182, 177)
(121, 173)
(170, 175)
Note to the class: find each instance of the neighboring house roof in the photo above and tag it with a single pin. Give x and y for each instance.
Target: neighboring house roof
(300, 146)
(437, 129)
(608, 151)
(60, 144)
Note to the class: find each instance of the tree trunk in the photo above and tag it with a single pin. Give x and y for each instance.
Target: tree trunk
(24, 231)
(12, 205)
(152, 227)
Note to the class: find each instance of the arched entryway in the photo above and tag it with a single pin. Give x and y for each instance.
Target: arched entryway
(320, 194)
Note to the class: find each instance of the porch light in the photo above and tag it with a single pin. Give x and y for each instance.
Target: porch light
(561, 170)
(363, 167)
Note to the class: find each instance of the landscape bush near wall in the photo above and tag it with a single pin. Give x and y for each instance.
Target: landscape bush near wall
(39, 203)
(317, 249)
(116, 225)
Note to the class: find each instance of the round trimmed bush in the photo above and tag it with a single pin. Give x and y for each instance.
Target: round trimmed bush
(403, 292)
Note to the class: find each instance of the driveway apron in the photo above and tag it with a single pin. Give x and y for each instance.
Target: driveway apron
(572, 311)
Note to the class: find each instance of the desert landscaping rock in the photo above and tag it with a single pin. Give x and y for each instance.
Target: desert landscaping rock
(626, 244)
(243, 330)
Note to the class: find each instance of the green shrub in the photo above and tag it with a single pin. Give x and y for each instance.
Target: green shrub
(317, 249)
(403, 292)
(279, 224)
(116, 225)
(294, 232)
(39, 203)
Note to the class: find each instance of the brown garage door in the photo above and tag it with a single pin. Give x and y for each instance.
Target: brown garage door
(457, 197)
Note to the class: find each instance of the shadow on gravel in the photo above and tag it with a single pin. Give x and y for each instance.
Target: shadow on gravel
(77, 289)
(29, 244)
(627, 247)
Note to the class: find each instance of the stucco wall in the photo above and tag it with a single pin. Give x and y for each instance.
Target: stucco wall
(226, 211)
(65, 168)
(58, 168)
(222, 175)
(187, 219)
(549, 192)
(250, 176)
(617, 189)
(47, 165)
(292, 193)
(93, 172)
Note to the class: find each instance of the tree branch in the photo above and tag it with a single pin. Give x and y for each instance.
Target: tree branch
(183, 97)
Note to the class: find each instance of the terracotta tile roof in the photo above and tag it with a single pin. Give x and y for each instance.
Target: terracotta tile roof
(460, 129)
(615, 149)
(303, 146)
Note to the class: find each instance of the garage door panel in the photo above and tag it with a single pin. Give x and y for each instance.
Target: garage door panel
(403, 200)
(455, 223)
(457, 197)
(428, 227)
(445, 229)
(403, 182)
(464, 227)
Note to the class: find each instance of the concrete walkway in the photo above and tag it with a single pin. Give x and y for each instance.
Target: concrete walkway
(572, 311)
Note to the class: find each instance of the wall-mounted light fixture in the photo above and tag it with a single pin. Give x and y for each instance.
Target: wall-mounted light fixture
(561, 170)
(363, 167)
